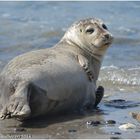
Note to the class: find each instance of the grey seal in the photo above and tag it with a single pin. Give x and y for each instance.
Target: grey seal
(56, 79)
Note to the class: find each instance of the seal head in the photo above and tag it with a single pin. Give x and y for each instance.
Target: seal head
(91, 35)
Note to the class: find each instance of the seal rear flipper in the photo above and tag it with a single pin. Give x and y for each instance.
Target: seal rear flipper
(17, 105)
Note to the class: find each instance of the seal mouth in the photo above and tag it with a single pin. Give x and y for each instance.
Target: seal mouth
(107, 44)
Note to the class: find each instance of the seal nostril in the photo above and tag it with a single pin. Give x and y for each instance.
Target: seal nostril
(107, 36)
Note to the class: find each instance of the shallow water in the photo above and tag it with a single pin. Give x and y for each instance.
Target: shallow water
(28, 26)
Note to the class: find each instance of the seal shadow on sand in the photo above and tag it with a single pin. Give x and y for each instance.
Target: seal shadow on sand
(43, 121)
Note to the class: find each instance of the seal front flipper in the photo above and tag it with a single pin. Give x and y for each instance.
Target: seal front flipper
(85, 65)
(99, 95)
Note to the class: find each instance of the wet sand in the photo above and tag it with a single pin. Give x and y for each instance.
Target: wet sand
(78, 125)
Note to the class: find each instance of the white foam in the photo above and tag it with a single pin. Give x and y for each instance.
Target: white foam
(121, 76)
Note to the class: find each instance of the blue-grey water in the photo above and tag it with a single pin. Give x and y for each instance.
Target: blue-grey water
(26, 26)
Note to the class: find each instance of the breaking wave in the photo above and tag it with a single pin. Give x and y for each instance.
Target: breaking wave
(120, 76)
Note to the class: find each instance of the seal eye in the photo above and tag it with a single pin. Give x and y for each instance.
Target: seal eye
(90, 30)
(104, 26)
